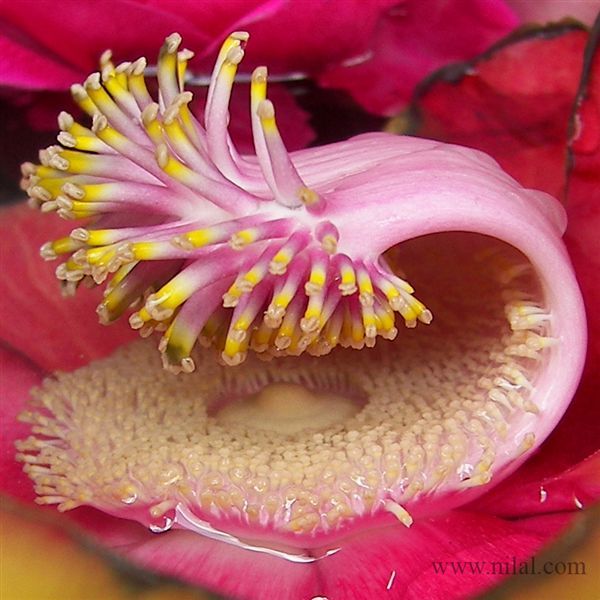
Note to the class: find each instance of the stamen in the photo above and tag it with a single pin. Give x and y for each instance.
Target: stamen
(160, 189)
(399, 512)
(290, 190)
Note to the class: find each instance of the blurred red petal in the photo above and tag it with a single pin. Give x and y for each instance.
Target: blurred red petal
(292, 121)
(283, 36)
(17, 377)
(52, 331)
(411, 41)
(24, 65)
(544, 11)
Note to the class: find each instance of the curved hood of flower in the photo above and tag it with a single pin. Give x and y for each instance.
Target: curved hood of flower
(299, 259)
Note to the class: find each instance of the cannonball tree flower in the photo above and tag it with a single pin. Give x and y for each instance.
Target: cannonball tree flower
(479, 387)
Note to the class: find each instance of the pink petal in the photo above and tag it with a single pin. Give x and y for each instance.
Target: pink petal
(414, 39)
(52, 331)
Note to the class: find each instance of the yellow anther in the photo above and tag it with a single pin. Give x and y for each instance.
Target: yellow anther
(369, 321)
(112, 137)
(52, 186)
(100, 255)
(287, 328)
(228, 71)
(358, 332)
(243, 238)
(172, 166)
(231, 296)
(167, 58)
(199, 237)
(47, 172)
(364, 283)
(234, 40)
(280, 261)
(170, 295)
(314, 308)
(282, 300)
(119, 276)
(79, 130)
(65, 245)
(318, 276)
(348, 283)
(175, 132)
(147, 250)
(80, 96)
(182, 60)
(385, 318)
(136, 81)
(85, 143)
(151, 123)
(116, 84)
(78, 162)
(98, 237)
(237, 339)
(252, 277)
(258, 86)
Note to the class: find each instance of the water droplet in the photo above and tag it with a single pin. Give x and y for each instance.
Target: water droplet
(129, 499)
(464, 471)
(578, 502)
(543, 494)
(166, 525)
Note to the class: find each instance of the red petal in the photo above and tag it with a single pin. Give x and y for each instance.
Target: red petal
(411, 41)
(528, 493)
(513, 102)
(25, 66)
(584, 194)
(18, 376)
(364, 568)
(53, 332)
(292, 121)
(283, 37)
